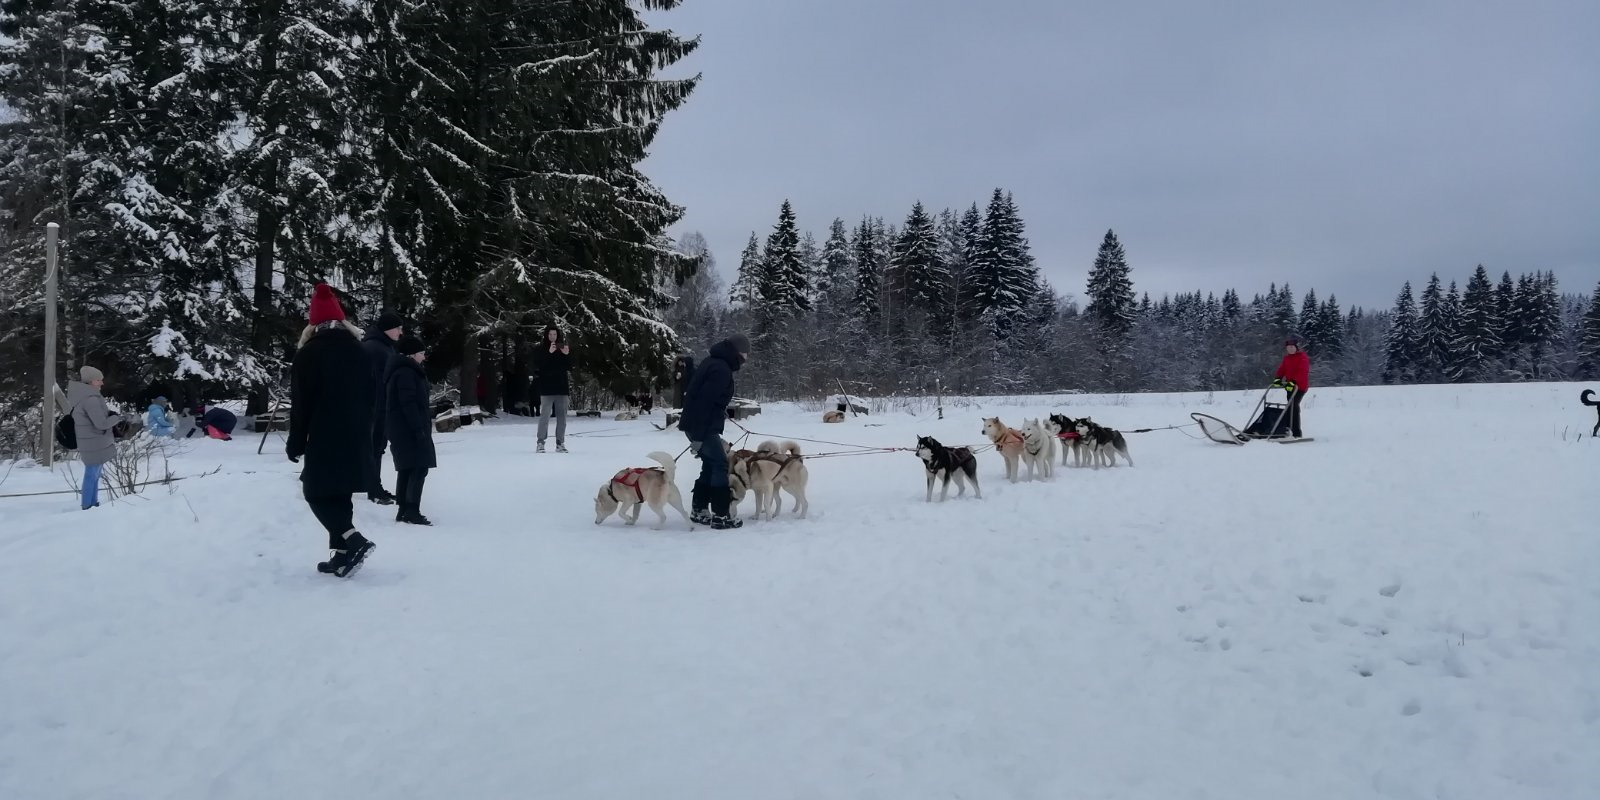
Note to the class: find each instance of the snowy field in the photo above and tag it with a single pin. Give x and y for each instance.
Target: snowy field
(1408, 607)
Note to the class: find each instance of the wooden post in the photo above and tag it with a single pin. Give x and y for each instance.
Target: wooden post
(938, 394)
(47, 411)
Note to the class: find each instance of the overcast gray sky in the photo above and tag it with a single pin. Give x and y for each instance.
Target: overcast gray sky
(1347, 146)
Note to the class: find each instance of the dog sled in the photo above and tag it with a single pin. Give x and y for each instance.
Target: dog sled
(1269, 421)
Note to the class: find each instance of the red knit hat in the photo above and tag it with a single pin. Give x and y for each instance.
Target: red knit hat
(325, 306)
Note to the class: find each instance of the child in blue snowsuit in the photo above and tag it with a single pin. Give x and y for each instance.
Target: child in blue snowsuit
(157, 420)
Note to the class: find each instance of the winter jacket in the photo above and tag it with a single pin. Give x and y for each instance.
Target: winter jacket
(92, 422)
(554, 370)
(408, 420)
(157, 420)
(220, 418)
(330, 416)
(705, 402)
(1295, 367)
(380, 352)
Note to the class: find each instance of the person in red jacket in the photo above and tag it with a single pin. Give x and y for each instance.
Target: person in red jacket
(1294, 374)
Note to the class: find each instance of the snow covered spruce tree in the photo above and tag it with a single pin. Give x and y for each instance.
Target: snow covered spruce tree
(119, 111)
(1589, 341)
(1111, 310)
(836, 276)
(1477, 341)
(1001, 270)
(785, 285)
(1401, 345)
(923, 281)
(516, 191)
(869, 272)
(746, 292)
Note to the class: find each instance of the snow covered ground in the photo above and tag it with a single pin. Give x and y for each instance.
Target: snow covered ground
(1408, 607)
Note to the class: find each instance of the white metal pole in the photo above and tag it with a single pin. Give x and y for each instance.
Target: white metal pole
(47, 412)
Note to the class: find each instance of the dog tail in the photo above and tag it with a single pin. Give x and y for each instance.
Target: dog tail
(1588, 398)
(791, 448)
(767, 446)
(667, 464)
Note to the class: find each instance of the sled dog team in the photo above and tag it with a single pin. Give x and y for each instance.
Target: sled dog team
(765, 472)
(773, 469)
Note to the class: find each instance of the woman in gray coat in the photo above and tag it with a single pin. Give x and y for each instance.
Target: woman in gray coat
(92, 423)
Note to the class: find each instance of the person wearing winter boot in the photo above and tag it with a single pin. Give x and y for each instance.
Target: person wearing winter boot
(378, 344)
(554, 385)
(92, 423)
(330, 425)
(705, 410)
(409, 426)
(1294, 375)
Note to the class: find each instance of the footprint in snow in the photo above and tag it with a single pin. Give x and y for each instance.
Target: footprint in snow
(1390, 591)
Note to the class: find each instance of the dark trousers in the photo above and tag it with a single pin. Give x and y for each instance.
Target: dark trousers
(337, 514)
(1294, 411)
(380, 443)
(713, 464)
(408, 489)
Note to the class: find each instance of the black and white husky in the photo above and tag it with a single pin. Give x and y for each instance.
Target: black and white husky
(1104, 444)
(943, 463)
(1071, 447)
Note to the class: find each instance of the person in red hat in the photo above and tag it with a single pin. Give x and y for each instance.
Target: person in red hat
(330, 426)
(1294, 375)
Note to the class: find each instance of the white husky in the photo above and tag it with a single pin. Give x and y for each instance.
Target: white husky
(1038, 450)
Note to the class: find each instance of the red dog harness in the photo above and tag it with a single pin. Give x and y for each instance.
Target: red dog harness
(1068, 434)
(630, 478)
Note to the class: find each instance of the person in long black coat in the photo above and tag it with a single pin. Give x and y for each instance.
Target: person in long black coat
(705, 410)
(554, 384)
(378, 343)
(330, 426)
(408, 422)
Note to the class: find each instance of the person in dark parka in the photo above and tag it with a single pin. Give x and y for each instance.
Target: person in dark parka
(705, 410)
(378, 343)
(330, 426)
(408, 422)
(554, 385)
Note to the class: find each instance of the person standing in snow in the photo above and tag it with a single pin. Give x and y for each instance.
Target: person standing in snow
(92, 422)
(158, 420)
(554, 385)
(378, 343)
(330, 425)
(408, 421)
(705, 410)
(1294, 375)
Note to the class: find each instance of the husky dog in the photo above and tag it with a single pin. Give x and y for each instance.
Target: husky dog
(627, 416)
(1587, 398)
(833, 415)
(1104, 444)
(633, 489)
(1038, 450)
(943, 463)
(1059, 424)
(1008, 442)
(769, 470)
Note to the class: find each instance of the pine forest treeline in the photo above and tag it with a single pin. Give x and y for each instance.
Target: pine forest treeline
(954, 299)
(469, 164)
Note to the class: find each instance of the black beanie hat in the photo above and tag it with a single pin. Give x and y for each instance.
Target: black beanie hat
(388, 321)
(740, 343)
(409, 345)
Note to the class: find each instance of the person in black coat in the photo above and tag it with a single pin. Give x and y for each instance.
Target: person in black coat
(554, 385)
(330, 426)
(378, 343)
(705, 410)
(408, 422)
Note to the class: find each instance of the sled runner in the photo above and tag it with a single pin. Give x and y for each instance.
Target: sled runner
(1269, 421)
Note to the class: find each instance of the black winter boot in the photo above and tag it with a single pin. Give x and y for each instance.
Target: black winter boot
(722, 518)
(344, 563)
(700, 502)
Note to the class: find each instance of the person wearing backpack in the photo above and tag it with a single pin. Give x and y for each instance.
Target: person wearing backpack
(92, 422)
